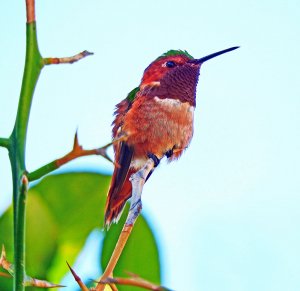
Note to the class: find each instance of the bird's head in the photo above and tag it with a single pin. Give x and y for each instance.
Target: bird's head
(175, 75)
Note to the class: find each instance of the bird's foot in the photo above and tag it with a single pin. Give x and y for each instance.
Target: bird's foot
(155, 159)
(169, 153)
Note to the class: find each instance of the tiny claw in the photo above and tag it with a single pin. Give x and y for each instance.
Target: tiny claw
(169, 153)
(154, 158)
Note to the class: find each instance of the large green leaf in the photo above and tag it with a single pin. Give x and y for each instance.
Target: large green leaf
(140, 255)
(62, 210)
(77, 204)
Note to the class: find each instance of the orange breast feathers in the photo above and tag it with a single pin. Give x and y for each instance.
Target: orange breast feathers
(155, 125)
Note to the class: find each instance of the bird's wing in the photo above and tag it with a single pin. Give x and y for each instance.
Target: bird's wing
(120, 187)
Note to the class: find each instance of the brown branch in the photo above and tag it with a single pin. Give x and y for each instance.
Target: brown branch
(75, 153)
(32, 282)
(134, 281)
(78, 280)
(30, 11)
(78, 151)
(67, 60)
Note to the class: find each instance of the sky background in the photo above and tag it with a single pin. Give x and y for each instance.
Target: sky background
(227, 213)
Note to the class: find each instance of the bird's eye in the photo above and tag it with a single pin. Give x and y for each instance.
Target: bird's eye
(170, 64)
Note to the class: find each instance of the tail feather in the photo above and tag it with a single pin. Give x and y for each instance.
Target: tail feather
(116, 201)
(120, 188)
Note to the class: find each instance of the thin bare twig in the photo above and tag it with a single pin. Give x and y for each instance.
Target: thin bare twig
(67, 60)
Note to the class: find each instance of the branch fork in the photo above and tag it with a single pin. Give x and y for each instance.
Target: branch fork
(76, 152)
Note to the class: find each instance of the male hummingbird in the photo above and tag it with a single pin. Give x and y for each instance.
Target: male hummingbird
(153, 121)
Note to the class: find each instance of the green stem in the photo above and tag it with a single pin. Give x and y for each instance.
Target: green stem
(41, 172)
(4, 142)
(33, 67)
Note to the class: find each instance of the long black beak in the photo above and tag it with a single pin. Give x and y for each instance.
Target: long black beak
(204, 59)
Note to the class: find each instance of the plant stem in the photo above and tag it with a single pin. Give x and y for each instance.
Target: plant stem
(33, 66)
(4, 142)
(16, 143)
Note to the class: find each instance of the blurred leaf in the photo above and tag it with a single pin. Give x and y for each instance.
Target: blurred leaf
(62, 211)
(41, 236)
(140, 255)
(77, 202)
(6, 238)
(6, 284)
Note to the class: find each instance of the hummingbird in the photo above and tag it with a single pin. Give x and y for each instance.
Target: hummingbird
(155, 120)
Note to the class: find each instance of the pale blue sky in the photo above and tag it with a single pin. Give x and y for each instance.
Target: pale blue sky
(227, 214)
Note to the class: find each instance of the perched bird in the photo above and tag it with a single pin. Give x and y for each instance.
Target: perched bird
(153, 121)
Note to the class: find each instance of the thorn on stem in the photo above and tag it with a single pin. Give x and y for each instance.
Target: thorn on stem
(24, 181)
(76, 277)
(76, 142)
(78, 280)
